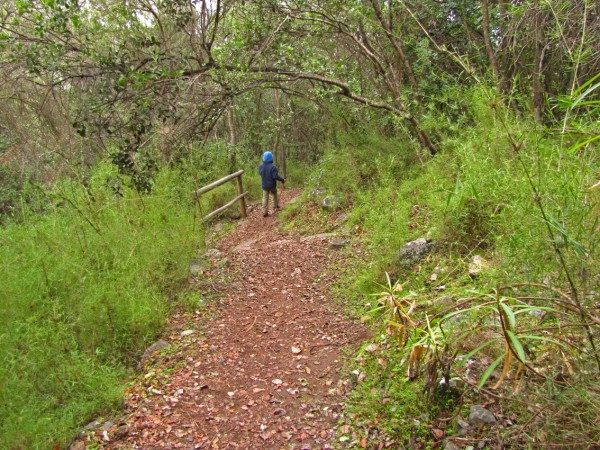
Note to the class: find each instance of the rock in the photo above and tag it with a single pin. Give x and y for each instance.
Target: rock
(245, 246)
(187, 332)
(338, 243)
(90, 427)
(412, 252)
(317, 237)
(477, 265)
(371, 348)
(159, 345)
(213, 253)
(196, 267)
(481, 416)
(451, 445)
(331, 202)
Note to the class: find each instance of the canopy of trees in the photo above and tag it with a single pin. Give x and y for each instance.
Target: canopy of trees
(112, 76)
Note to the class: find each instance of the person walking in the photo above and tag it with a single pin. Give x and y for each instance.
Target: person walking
(270, 176)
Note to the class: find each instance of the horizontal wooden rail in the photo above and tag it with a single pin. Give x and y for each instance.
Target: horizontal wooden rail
(211, 186)
(239, 198)
(224, 207)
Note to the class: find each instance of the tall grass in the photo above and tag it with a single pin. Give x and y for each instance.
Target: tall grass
(84, 288)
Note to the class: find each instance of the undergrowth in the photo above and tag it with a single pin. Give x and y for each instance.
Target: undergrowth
(521, 329)
(85, 286)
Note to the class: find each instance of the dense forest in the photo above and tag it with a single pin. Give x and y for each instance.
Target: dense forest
(471, 124)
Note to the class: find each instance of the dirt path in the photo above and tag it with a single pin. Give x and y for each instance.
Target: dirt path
(265, 373)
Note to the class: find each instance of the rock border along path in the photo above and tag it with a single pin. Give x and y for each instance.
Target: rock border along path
(265, 373)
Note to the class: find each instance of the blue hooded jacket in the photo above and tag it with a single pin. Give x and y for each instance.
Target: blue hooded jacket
(269, 175)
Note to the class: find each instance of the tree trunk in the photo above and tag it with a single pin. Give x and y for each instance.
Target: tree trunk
(232, 137)
(279, 159)
(488, 43)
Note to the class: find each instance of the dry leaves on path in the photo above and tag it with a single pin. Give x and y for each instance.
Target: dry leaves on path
(266, 372)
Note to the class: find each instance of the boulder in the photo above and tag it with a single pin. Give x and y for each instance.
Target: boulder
(412, 252)
(481, 416)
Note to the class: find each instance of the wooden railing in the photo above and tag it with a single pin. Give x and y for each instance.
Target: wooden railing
(241, 194)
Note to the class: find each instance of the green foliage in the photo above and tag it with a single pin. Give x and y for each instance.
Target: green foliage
(525, 199)
(84, 288)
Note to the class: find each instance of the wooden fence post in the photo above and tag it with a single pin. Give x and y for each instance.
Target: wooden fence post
(242, 198)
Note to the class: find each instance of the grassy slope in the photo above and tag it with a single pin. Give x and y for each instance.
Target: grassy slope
(477, 197)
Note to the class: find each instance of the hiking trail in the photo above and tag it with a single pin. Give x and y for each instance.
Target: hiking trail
(264, 370)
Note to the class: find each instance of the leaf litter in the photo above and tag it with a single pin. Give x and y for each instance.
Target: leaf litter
(244, 379)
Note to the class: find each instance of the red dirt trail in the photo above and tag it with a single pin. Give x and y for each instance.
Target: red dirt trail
(264, 371)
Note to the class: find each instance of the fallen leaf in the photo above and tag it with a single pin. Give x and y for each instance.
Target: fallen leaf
(266, 436)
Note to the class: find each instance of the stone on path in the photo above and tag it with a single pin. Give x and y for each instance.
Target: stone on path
(481, 416)
(158, 345)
